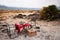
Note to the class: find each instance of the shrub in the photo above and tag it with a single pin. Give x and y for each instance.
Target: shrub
(49, 12)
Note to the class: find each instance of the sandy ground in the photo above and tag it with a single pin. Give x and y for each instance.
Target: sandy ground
(48, 30)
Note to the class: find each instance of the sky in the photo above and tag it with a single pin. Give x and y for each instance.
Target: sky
(29, 3)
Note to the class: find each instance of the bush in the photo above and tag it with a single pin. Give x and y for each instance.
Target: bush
(49, 12)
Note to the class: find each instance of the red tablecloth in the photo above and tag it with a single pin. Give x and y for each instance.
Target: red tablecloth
(19, 26)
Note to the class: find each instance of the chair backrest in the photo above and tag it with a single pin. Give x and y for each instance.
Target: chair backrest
(11, 26)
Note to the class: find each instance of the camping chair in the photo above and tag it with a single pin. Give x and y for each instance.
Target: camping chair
(12, 33)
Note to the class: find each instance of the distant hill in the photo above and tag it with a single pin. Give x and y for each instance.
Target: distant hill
(16, 8)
